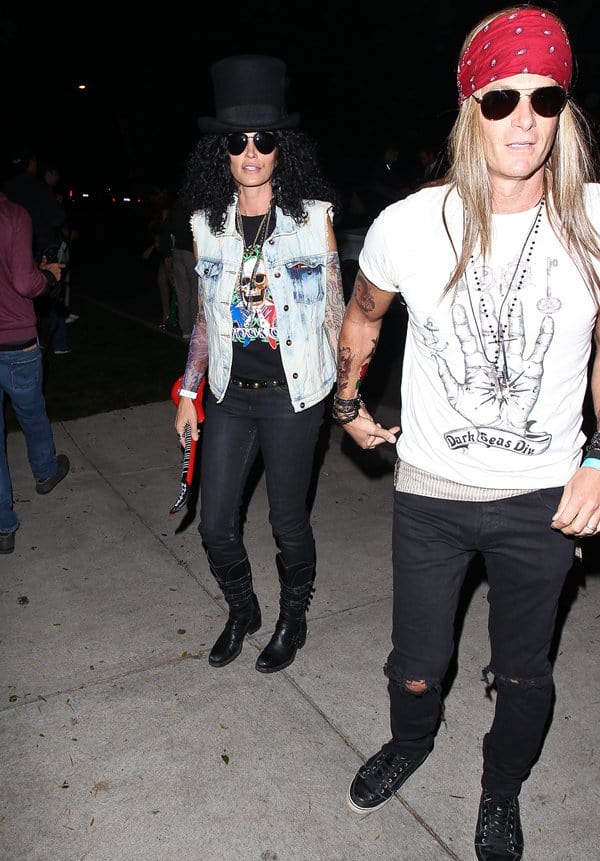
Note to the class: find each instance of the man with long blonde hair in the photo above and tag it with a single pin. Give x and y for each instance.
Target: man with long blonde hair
(498, 264)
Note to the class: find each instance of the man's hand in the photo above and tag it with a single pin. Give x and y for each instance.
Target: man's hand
(367, 433)
(578, 512)
(54, 268)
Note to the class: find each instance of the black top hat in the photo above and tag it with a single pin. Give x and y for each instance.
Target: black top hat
(249, 95)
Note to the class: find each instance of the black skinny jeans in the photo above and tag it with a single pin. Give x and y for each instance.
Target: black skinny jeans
(527, 562)
(246, 421)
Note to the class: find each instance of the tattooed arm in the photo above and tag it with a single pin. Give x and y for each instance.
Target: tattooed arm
(195, 369)
(358, 341)
(334, 302)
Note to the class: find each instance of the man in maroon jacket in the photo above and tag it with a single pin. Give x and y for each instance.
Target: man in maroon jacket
(21, 280)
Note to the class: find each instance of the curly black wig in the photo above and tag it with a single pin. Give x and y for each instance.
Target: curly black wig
(208, 184)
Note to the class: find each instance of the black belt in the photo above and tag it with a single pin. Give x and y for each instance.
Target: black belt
(243, 383)
(5, 348)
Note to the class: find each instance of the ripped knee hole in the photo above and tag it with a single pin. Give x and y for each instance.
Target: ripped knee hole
(416, 687)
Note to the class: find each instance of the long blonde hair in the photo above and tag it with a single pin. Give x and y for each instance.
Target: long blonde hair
(569, 166)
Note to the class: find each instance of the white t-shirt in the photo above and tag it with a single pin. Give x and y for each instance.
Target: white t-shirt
(495, 373)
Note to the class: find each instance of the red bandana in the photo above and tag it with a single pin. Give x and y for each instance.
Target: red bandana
(524, 41)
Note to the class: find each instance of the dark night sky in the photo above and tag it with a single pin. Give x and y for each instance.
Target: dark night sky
(356, 78)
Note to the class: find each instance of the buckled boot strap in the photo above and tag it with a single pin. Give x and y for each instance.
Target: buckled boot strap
(244, 611)
(296, 590)
(235, 582)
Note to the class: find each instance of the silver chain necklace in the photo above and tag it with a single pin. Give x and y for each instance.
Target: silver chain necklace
(253, 250)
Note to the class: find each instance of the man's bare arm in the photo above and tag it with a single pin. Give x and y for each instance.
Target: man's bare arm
(360, 334)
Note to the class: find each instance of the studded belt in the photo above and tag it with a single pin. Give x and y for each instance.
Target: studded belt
(243, 383)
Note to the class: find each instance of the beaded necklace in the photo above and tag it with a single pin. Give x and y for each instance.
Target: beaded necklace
(494, 331)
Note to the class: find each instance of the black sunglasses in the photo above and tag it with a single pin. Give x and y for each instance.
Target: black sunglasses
(545, 101)
(265, 142)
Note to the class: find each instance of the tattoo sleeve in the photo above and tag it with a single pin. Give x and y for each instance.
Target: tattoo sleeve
(344, 364)
(334, 302)
(197, 360)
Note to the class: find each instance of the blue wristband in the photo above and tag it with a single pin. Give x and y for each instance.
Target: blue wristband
(592, 462)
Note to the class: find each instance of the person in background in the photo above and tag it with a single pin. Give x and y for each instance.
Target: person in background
(160, 258)
(270, 309)
(176, 242)
(21, 372)
(387, 173)
(27, 188)
(52, 310)
(499, 266)
(423, 165)
(39, 198)
(50, 173)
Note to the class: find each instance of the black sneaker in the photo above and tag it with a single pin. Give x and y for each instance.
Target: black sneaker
(49, 484)
(379, 778)
(498, 836)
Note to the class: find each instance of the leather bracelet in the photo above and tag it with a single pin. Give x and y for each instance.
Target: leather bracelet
(345, 411)
(345, 402)
(187, 394)
(346, 420)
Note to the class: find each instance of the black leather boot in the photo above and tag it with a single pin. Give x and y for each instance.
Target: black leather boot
(244, 612)
(296, 584)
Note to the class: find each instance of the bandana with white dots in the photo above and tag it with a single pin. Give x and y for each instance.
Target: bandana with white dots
(529, 41)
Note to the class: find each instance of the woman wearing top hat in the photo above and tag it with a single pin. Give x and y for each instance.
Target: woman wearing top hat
(271, 305)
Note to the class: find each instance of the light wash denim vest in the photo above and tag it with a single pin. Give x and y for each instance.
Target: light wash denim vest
(295, 258)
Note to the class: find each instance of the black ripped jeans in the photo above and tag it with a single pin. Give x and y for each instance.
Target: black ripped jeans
(527, 562)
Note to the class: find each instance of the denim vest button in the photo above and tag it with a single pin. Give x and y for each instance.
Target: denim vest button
(288, 342)
(295, 376)
(286, 307)
(302, 405)
(278, 275)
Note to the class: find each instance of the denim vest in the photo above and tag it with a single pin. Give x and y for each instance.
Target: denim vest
(295, 258)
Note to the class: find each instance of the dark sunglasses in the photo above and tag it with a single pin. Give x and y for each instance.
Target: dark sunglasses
(545, 101)
(265, 142)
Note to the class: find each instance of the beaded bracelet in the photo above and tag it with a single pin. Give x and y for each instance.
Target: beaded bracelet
(594, 443)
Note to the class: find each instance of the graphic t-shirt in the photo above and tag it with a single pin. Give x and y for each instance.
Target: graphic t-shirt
(256, 354)
(494, 373)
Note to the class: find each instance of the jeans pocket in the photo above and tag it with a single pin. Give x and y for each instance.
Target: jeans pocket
(26, 372)
(549, 497)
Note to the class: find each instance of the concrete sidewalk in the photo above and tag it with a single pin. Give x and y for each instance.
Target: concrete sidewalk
(118, 742)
